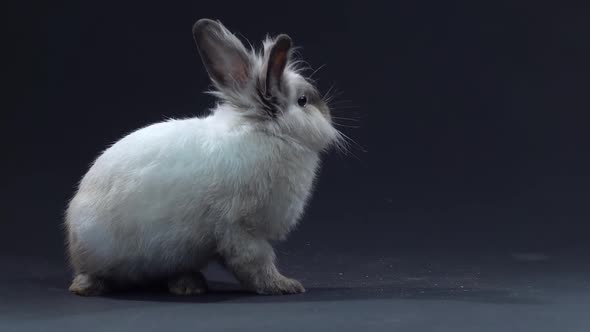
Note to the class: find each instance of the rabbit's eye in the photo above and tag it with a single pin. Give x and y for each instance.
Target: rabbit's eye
(302, 101)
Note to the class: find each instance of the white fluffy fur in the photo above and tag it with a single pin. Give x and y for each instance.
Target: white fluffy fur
(169, 197)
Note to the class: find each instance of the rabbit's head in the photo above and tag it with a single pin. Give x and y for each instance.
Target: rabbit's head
(265, 88)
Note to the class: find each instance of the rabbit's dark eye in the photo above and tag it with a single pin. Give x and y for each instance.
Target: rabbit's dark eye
(302, 101)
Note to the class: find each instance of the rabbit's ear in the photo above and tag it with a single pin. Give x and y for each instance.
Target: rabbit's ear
(277, 61)
(223, 54)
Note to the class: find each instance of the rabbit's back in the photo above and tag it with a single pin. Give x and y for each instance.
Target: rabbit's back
(145, 200)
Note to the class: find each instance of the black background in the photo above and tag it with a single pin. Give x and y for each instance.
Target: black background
(471, 116)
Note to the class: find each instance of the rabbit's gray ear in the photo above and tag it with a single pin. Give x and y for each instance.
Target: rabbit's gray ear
(223, 54)
(277, 61)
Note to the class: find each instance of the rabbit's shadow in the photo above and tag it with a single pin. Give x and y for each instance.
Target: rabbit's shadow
(229, 292)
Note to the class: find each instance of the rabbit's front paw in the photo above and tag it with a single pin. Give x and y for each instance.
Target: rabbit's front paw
(281, 285)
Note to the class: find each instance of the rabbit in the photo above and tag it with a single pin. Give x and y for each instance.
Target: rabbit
(165, 200)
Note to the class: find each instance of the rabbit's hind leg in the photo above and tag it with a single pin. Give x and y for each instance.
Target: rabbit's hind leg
(188, 284)
(87, 285)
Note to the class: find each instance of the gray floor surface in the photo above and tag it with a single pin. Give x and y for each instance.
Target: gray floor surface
(430, 291)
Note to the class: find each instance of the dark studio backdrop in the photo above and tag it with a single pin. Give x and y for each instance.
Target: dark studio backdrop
(471, 116)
